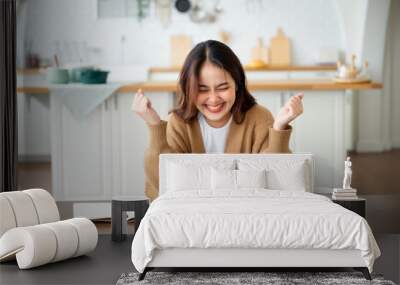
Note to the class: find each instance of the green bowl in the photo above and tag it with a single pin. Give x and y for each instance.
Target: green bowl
(75, 73)
(94, 76)
(57, 75)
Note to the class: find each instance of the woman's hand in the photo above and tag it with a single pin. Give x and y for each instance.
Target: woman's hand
(142, 106)
(292, 109)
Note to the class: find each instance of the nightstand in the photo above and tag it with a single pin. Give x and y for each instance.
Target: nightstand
(358, 205)
(119, 206)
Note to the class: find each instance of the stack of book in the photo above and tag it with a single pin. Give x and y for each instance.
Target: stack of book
(344, 194)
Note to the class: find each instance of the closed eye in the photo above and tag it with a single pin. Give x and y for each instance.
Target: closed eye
(220, 87)
(203, 88)
(223, 85)
(223, 88)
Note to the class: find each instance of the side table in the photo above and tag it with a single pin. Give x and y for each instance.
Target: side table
(358, 205)
(119, 206)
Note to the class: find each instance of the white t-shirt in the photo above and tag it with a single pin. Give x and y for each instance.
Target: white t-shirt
(214, 139)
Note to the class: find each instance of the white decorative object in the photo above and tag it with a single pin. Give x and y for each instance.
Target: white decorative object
(350, 73)
(347, 192)
(42, 238)
(347, 174)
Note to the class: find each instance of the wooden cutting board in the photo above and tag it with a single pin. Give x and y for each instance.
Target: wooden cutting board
(280, 50)
(259, 55)
(180, 46)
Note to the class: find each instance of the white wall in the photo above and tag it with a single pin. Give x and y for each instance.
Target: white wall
(364, 25)
(352, 15)
(309, 24)
(393, 74)
(371, 122)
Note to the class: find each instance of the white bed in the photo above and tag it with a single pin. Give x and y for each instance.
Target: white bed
(226, 217)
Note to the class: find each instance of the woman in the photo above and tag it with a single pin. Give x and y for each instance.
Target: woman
(215, 114)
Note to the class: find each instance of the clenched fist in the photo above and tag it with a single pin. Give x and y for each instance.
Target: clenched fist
(290, 111)
(142, 106)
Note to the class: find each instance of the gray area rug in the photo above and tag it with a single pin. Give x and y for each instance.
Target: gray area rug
(229, 278)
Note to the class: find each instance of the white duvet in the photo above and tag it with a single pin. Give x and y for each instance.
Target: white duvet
(251, 218)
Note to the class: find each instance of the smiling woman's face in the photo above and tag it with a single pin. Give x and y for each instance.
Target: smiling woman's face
(216, 94)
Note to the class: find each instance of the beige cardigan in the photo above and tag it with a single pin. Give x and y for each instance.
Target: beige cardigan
(254, 135)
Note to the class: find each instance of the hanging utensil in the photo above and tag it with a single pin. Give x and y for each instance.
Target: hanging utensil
(204, 13)
(163, 11)
(182, 5)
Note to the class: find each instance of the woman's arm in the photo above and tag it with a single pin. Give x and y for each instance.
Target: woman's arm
(267, 139)
(167, 137)
(164, 137)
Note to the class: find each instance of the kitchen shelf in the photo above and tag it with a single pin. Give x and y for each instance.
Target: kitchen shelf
(255, 85)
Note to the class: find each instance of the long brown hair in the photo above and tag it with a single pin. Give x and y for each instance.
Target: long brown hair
(222, 56)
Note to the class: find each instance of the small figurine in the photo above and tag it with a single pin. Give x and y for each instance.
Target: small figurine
(346, 192)
(351, 74)
(347, 71)
(347, 174)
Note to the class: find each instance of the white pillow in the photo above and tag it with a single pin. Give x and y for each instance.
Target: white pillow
(293, 178)
(223, 179)
(188, 175)
(281, 174)
(236, 179)
(251, 178)
(183, 177)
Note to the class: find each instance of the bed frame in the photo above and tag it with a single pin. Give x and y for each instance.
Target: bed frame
(241, 259)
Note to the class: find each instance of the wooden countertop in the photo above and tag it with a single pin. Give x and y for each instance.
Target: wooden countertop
(254, 85)
(249, 68)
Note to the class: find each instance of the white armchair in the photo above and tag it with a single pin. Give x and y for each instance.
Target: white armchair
(31, 230)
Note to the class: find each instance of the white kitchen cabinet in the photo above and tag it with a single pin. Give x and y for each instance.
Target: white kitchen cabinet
(81, 153)
(33, 127)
